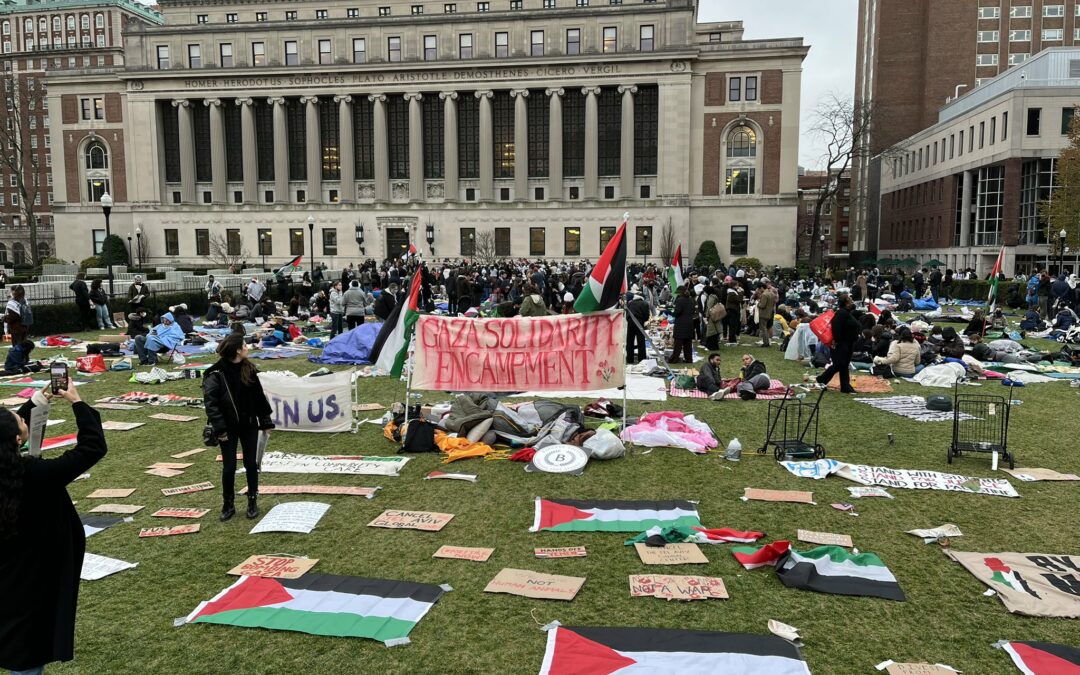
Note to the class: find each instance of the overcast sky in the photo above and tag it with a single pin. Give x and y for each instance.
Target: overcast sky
(831, 34)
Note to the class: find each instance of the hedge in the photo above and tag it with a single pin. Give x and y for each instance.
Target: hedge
(65, 318)
(970, 289)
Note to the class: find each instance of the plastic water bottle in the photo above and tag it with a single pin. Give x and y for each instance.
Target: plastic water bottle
(734, 451)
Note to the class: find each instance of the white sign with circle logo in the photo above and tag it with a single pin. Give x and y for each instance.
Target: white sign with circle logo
(560, 459)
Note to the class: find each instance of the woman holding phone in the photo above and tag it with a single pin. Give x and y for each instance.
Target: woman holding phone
(42, 537)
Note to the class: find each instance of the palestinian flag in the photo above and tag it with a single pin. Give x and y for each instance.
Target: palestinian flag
(656, 536)
(674, 274)
(568, 515)
(604, 651)
(753, 557)
(289, 267)
(874, 309)
(91, 525)
(1043, 658)
(322, 604)
(411, 251)
(831, 569)
(991, 299)
(607, 283)
(59, 441)
(391, 346)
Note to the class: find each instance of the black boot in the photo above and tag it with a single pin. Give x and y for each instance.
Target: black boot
(253, 507)
(228, 510)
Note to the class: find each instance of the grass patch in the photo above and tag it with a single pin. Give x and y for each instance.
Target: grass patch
(125, 621)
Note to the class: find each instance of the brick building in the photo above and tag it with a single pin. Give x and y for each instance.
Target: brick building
(834, 223)
(39, 38)
(971, 183)
(914, 56)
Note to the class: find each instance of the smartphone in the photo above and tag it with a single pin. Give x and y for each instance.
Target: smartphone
(58, 376)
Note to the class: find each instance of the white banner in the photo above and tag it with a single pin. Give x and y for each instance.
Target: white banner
(288, 462)
(925, 480)
(310, 403)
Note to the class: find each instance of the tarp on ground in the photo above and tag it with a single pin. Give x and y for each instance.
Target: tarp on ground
(352, 347)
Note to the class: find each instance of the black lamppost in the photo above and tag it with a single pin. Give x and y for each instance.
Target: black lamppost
(262, 247)
(131, 257)
(1061, 250)
(821, 251)
(431, 237)
(138, 246)
(106, 208)
(359, 231)
(311, 236)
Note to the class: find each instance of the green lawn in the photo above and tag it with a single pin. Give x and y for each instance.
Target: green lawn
(125, 622)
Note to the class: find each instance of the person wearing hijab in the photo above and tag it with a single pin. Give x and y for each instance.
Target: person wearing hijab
(13, 314)
(42, 537)
(163, 337)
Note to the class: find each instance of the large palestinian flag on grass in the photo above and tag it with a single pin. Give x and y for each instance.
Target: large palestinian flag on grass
(605, 651)
(831, 569)
(753, 557)
(570, 515)
(322, 604)
(607, 282)
(1043, 658)
(391, 346)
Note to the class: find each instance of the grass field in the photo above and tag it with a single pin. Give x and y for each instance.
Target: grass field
(125, 622)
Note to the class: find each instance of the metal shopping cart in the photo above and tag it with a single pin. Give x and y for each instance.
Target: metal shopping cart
(792, 428)
(981, 424)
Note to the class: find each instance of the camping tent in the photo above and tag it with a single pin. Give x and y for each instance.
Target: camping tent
(351, 347)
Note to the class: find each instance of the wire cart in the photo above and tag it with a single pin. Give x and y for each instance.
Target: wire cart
(981, 424)
(792, 428)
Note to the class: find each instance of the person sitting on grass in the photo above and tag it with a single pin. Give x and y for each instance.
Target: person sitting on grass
(18, 359)
(162, 338)
(752, 379)
(903, 358)
(708, 379)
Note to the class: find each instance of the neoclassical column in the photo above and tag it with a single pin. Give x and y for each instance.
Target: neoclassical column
(487, 150)
(281, 151)
(416, 147)
(382, 150)
(555, 163)
(187, 150)
(626, 141)
(249, 149)
(592, 146)
(313, 141)
(521, 143)
(450, 145)
(346, 148)
(217, 149)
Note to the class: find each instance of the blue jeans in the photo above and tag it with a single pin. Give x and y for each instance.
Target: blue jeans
(147, 349)
(33, 671)
(104, 319)
(335, 323)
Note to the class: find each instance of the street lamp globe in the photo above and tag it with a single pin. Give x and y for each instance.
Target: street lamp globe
(106, 201)
(1063, 234)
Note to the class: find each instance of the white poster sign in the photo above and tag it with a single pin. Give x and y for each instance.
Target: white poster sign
(98, 566)
(39, 417)
(322, 404)
(300, 517)
(288, 462)
(925, 480)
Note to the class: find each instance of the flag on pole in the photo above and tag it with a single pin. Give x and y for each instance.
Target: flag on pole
(992, 298)
(392, 344)
(674, 275)
(410, 252)
(289, 267)
(608, 279)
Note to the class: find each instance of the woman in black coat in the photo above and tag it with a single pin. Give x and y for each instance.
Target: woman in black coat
(845, 330)
(42, 538)
(683, 333)
(237, 409)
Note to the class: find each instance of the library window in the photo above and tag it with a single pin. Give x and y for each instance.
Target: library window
(417, 10)
(194, 53)
(431, 48)
(231, 18)
(290, 15)
(573, 41)
(292, 53)
(258, 53)
(321, 14)
(384, 11)
(611, 39)
(536, 43)
(515, 5)
(225, 55)
(163, 57)
(393, 49)
(645, 38)
(465, 46)
(537, 242)
(502, 45)
(450, 8)
(326, 55)
(483, 6)
(740, 240)
(352, 13)
(359, 50)
(260, 17)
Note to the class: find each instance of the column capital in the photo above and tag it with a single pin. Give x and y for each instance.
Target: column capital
(486, 93)
(181, 103)
(245, 101)
(592, 89)
(524, 93)
(339, 98)
(275, 100)
(623, 88)
(309, 99)
(452, 95)
(216, 102)
(380, 98)
(559, 91)
(413, 95)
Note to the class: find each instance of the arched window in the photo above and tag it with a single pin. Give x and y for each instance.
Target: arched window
(7, 28)
(741, 161)
(71, 21)
(43, 25)
(3, 253)
(96, 170)
(742, 143)
(43, 250)
(29, 25)
(85, 21)
(99, 20)
(19, 252)
(96, 156)
(56, 23)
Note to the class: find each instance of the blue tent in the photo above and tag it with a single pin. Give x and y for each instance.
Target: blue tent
(351, 347)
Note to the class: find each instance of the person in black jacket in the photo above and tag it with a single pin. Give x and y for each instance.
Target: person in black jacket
(237, 409)
(42, 538)
(82, 301)
(384, 304)
(845, 330)
(637, 308)
(683, 332)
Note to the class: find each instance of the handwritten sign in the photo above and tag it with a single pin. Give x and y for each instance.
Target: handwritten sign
(125, 509)
(918, 669)
(287, 462)
(117, 406)
(168, 531)
(173, 418)
(464, 553)
(188, 453)
(757, 494)
(535, 584)
(98, 567)
(169, 465)
(187, 489)
(412, 520)
(368, 492)
(565, 552)
(672, 554)
(180, 513)
(571, 352)
(367, 407)
(322, 404)
(110, 493)
(274, 567)
(926, 480)
(825, 538)
(670, 587)
(300, 517)
(1033, 474)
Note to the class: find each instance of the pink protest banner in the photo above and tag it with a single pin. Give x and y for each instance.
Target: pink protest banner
(571, 352)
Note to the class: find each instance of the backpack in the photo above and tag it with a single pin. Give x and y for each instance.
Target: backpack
(717, 312)
(26, 315)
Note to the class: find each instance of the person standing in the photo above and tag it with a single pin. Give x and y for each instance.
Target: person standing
(82, 300)
(683, 332)
(337, 309)
(255, 291)
(766, 306)
(713, 315)
(42, 538)
(845, 330)
(935, 284)
(385, 303)
(733, 300)
(237, 409)
(101, 305)
(355, 302)
(17, 315)
(637, 314)
(138, 293)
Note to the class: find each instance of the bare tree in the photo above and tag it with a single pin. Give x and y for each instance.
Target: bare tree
(142, 250)
(21, 152)
(225, 253)
(484, 252)
(667, 243)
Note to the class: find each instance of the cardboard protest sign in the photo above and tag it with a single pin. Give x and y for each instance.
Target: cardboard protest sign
(535, 584)
(925, 480)
(126, 509)
(315, 490)
(464, 553)
(187, 453)
(668, 587)
(113, 425)
(565, 552)
(173, 418)
(187, 489)
(893, 668)
(180, 513)
(117, 406)
(757, 494)
(933, 534)
(1033, 584)
(96, 567)
(110, 493)
(299, 517)
(825, 538)
(164, 472)
(1030, 474)
(861, 492)
(571, 352)
(366, 407)
(170, 465)
(274, 567)
(168, 531)
(671, 554)
(15, 401)
(412, 520)
(288, 462)
(321, 404)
